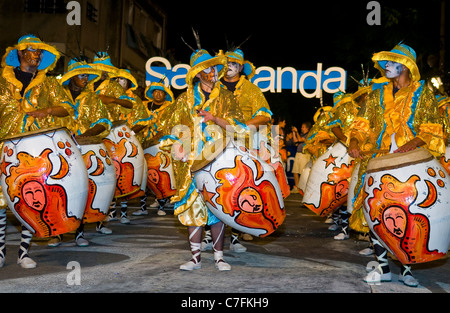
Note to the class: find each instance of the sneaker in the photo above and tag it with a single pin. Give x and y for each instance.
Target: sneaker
(341, 236)
(54, 241)
(237, 247)
(161, 213)
(26, 262)
(375, 278)
(124, 220)
(81, 242)
(221, 265)
(154, 205)
(333, 227)
(190, 266)
(103, 230)
(367, 251)
(111, 218)
(206, 245)
(140, 213)
(408, 280)
(295, 190)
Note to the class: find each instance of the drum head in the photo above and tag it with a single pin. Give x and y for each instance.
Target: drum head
(36, 132)
(211, 150)
(396, 160)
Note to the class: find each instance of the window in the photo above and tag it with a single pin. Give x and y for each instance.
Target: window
(91, 12)
(45, 6)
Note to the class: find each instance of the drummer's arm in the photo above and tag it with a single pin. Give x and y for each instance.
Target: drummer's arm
(94, 131)
(207, 116)
(57, 111)
(411, 145)
(337, 131)
(258, 121)
(353, 148)
(110, 100)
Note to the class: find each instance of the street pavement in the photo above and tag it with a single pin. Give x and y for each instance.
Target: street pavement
(144, 256)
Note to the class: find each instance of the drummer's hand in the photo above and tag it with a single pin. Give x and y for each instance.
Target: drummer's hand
(207, 116)
(353, 150)
(410, 145)
(40, 113)
(178, 152)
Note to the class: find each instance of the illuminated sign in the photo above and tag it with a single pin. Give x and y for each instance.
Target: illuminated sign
(331, 80)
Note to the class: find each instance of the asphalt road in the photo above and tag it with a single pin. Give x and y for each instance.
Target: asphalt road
(144, 257)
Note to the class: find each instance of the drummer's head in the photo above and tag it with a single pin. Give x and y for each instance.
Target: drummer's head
(29, 58)
(79, 81)
(159, 96)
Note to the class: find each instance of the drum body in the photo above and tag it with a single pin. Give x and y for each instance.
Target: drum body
(445, 160)
(273, 158)
(128, 159)
(160, 177)
(407, 205)
(304, 176)
(102, 179)
(328, 182)
(242, 190)
(45, 181)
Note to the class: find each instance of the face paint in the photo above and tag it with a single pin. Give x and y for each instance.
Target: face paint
(81, 80)
(123, 82)
(393, 69)
(209, 75)
(31, 57)
(233, 69)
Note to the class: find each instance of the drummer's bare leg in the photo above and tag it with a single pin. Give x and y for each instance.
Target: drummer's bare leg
(344, 216)
(235, 244)
(24, 260)
(123, 212)
(195, 237)
(218, 236)
(383, 272)
(2, 236)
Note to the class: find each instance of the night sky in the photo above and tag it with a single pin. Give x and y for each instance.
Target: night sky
(301, 34)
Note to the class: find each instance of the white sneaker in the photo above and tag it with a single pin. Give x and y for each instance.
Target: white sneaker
(237, 247)
(375, 278)
(408, 280)
(341, 236)
(26, 262)
(104, 230)
(367, 251)
(161, 213)
(155, 204)
(333, 227)
(124, 220)
(54, 241)
(140, 213)
(81, 242)
(190, 266)
(221, 265)
(206, 245)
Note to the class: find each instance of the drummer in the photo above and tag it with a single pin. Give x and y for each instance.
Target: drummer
(137, 119)
(204, 103)
(403, 114)
(255, 109)
(159, 99)
(118, 103)
(91, 120)
(30, 100)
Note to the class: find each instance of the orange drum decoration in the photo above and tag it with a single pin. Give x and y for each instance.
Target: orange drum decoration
(445, 160)
(102, 178)
(128, 158)
(406, 205)
(242, 191)
(160, 177)
(273, 158)
(328, 181)
(44, 180)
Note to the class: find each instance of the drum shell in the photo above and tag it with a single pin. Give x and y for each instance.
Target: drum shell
(414, 186)
(445, 159)
(128, 157)
(232, 176)
(63, 181)
(328, 181)
(160, 177)
(102, 177)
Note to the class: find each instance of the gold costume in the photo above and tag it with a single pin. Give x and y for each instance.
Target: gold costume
(113, 89)
(319, 132)
(189, 206)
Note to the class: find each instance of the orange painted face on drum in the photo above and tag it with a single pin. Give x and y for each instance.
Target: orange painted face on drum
(250, 200)
(34, 195)
(395, 220)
